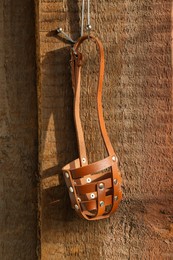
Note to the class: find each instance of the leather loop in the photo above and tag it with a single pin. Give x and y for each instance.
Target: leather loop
(94, 189)
(99, 94)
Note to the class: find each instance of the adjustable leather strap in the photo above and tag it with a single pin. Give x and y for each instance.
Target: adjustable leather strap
(77, 61)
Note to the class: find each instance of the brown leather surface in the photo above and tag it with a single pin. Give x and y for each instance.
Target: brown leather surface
(94, 189)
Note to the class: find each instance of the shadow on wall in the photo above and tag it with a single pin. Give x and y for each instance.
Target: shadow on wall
(56, 63)
(57, 76)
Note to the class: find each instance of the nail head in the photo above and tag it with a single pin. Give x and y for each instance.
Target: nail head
(59, 30)
(89, 27)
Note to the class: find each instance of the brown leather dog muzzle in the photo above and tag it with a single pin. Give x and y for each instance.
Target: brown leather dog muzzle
(94, 189)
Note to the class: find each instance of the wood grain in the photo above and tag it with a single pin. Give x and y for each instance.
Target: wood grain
(18, 131)
(138, 113)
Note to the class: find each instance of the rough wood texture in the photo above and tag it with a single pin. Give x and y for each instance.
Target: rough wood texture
(138, 114)
(18, 131)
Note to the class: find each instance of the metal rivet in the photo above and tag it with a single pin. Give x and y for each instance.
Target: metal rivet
(76, 206)
(88, 180)
(101, 186)
(66, 175)
(114, 158)
(92, 195)
(79, 199)
(115, 181)
(71, 189)
(115, 197)
(102, 203)
(83, 160)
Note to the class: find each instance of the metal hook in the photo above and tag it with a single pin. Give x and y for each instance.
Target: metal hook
(60, 30)
(89, 27)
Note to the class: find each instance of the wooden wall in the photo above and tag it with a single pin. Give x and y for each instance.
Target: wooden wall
(18, 131)
(138, 114)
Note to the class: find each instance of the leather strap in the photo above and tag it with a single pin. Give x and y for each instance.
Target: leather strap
(95, 189)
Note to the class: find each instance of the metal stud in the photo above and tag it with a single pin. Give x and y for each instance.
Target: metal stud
(88, 180)
(114, 158)
(101, 186)
(83, 160)
(66, 174)
(76, 206)
(79, 199)
(92, 195)
(102, 203)
(115, 181)
(115, 198)
(71, 189)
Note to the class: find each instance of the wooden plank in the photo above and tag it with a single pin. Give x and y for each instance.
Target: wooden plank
(18, 131)
(138, 113)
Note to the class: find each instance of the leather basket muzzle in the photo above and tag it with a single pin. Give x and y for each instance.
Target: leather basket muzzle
(94, 189)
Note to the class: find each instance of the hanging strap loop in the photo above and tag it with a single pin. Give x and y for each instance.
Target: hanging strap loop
(77, 80)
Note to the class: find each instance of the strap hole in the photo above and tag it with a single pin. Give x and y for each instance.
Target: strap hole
(88, 180)
(92, 196)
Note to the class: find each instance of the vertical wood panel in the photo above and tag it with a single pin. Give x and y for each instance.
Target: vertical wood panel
(138, 113)
(18, 131)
